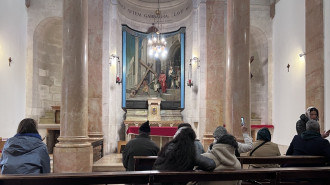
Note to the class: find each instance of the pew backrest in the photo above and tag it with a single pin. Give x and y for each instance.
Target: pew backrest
(274, 175)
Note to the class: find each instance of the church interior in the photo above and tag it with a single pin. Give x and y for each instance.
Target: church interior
(92, 71)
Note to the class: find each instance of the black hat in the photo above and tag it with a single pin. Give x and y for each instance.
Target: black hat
(145, 127)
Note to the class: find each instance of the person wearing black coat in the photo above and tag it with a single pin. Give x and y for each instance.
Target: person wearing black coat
(309, 142)
(142, 145)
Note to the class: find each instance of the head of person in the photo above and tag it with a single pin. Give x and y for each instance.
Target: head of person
(264, 134)
(185, 133)
(219, 132)
(313, 125)
(27, 125)
(183, 154)
(312, 113)
(184, 125)
(145, 128)
(228, 139)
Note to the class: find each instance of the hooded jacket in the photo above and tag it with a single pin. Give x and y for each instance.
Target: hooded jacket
(25, 154)
(309, 143)
(224, 158)
(301, 124)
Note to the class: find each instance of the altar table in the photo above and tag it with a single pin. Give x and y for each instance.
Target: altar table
(157, 132)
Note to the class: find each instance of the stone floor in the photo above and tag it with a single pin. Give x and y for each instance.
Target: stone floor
(108, 163)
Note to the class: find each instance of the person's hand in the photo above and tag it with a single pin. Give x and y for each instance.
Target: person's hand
(244, 129)
(325, 134)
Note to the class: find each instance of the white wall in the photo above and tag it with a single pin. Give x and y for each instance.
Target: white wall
(326, 4)
(13, 20)
(288, 87)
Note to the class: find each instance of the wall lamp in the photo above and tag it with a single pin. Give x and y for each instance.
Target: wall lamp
(302, 54)
(191, 61)
(114, 59)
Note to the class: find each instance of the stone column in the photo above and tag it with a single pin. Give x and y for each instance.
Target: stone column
(238, 66)
(215, 68)
(73, 153)
(315, 57)
(95, 69)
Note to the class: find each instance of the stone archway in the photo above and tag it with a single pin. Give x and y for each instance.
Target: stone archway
(47, 65)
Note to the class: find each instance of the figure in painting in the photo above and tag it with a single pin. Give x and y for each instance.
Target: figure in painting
(171, 76)
(145, 88)
(162, 81)
(156, 85)
(177, 80)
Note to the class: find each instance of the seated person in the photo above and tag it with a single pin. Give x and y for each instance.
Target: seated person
(242, 147)
(263, 147)
(25, 153)
(198, 145)
(142, 145)
(223, 154)
(180, 154)
(309, 142)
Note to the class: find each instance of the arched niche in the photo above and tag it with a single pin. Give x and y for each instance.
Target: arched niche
(47, 64)
(259, 75)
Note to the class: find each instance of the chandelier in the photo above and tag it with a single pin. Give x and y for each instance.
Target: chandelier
(156, 42)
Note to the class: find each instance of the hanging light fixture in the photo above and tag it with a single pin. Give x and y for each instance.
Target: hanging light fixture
(156, 42)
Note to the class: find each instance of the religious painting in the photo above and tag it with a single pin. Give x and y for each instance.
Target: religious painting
(153, 67)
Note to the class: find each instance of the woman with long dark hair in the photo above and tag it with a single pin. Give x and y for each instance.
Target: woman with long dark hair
(25, 153)
(179, 154)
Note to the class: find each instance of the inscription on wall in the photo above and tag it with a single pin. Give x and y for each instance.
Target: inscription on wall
(168, 15)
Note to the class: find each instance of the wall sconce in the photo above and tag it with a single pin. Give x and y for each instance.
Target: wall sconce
(196, 60)
(302, 54)
(10, 60)
(189, 82)
(114, 59)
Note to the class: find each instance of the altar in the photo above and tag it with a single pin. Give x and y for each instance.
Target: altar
(163, 123)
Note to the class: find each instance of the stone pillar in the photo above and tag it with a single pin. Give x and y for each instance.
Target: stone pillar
(238, 66)
(215, 68)
(95, 71)
(73, 153)
(315, 57)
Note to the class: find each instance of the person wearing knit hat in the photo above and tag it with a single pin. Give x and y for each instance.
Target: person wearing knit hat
(145, 127)
(142, 145)
(263, 147)
(242, 147)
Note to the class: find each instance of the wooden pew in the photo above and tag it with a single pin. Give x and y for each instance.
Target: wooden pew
(146, 162)
(301, 159)
(274, 175)
(142, 163)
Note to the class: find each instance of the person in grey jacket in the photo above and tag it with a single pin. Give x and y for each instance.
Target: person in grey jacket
(242, 147)
(25, 153)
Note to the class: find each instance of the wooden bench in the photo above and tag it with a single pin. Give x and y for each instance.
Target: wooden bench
(142, 163)
(146, 162)
(274, 175)
(301, 159)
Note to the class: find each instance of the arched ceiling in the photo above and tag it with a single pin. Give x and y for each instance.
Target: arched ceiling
(144, 10)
